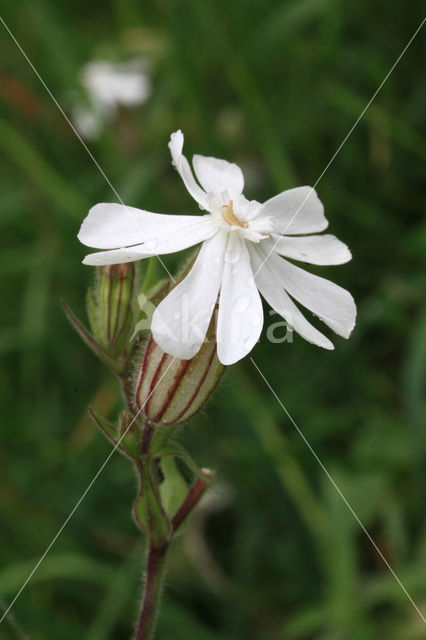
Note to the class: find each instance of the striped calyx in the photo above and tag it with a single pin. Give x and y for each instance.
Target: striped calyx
(168, 390)
(109, 306)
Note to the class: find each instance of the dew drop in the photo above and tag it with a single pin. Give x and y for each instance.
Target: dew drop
(217, 260)
(250, 281)
(176, 315)
(234, 270)
(232, 256)
(241, 304)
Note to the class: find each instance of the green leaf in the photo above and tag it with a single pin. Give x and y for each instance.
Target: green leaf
(173, 488)
(60, 565)
(175, 449)
(148, 509)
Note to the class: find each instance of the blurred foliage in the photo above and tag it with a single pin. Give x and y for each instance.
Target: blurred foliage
(274, 554)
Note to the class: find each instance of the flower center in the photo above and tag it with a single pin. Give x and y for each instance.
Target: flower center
(230, 217)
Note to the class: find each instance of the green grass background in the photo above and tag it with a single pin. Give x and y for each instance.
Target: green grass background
(274, 86)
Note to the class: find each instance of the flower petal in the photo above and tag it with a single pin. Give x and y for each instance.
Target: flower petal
(240, 317)
(217, 176)
(184, 170)
(181, 320)
(111, 225)
(271, 288)
(200, 229)
(323, 250)
(332, 304)
(296, 211)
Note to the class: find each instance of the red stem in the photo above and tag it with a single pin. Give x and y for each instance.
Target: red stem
(157, 560)
(194, 494)
(153, 586)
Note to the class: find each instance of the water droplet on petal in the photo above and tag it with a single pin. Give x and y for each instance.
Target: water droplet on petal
(232, 256)
(217, 260)
(241, 303)
(176, 315)
(250, 280)
(234, 270)
(247, 343)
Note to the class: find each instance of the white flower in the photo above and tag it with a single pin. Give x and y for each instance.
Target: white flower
(241, 255)
(109, 86)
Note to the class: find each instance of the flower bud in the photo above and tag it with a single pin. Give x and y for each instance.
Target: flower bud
(168, 390)
(109, 306)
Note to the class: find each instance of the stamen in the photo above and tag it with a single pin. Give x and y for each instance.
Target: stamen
(230, 217)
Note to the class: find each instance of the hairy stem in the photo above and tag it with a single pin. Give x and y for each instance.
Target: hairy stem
(194, 495)
(152, 594)
(157, 561)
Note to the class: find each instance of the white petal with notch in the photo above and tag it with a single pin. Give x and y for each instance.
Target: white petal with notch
(217, 176)
(332, 304)
(271, 288)
(184, 170)
(323, 250)
(202, 228)
(111, 225)
(296, 211)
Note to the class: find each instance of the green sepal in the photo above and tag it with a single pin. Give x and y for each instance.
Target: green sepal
(87, 337)
(147, 509)
(127, 445)
(173, 449)
(108, 429)
(130, 435)
(173, 488)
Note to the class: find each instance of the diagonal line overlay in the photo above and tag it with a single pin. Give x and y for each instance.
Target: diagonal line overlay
(338, 490)
(80, 500)
(345, 139)
(255, 365)
(92, 157)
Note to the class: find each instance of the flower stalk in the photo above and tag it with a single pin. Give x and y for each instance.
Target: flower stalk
(155, 569)
(159, 392)
(211, 318)
(156, 561)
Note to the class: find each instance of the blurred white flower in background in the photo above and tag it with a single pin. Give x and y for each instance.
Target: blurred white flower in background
(87, 122)
(109, 86)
